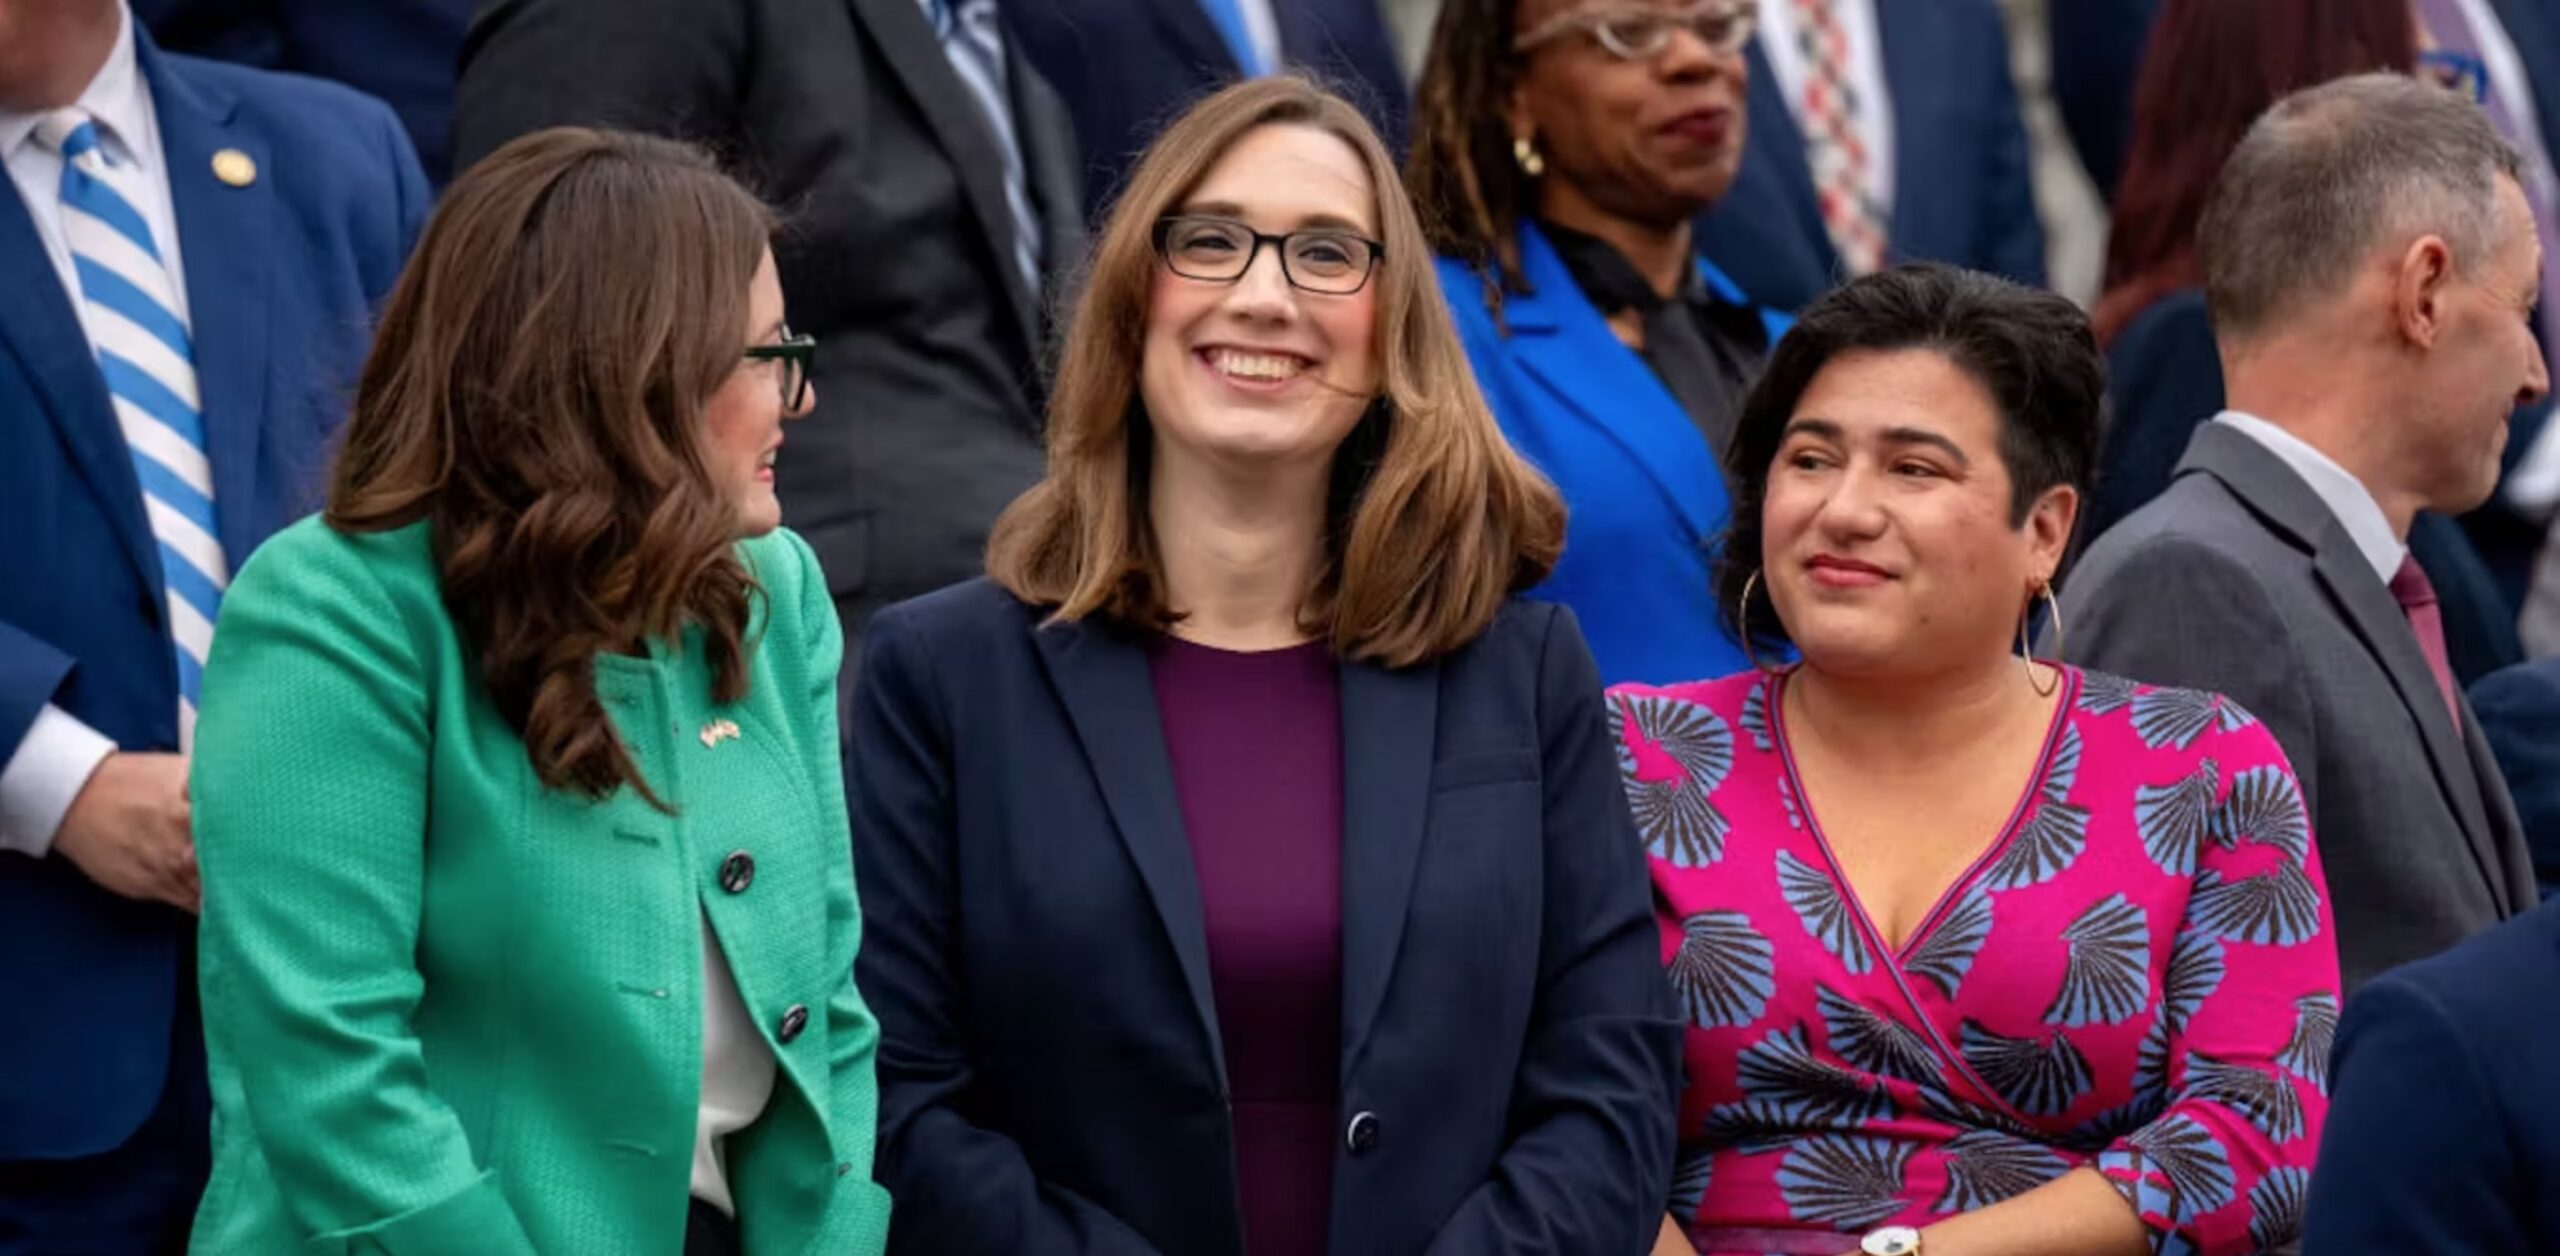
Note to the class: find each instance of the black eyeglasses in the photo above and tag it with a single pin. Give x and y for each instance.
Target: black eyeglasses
(795, 353)
(1639, 32)
(1221, 250)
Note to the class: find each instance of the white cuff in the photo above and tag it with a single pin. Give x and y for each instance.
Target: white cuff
(53, 764)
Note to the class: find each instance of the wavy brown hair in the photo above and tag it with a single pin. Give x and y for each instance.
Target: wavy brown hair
(1432, 519)
(536, 393)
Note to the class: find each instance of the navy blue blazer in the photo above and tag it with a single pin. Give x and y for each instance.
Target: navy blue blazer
(2096, 54)
(2519, 711)
(1962, 191)
(1645, 498)
(1051, 1075)
(1128, 68)
(2440, 1138)
(2164, 379)
(282, 279)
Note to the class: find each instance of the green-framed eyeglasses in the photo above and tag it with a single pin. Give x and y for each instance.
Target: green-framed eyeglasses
(796, 354)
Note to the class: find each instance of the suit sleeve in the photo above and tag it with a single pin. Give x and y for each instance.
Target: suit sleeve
(2417, 1157)
(31, 672)
(665, 67)
(310, 789)
(2164, 379)
(2012, 239)
(959, 1187)
(1590, 1163)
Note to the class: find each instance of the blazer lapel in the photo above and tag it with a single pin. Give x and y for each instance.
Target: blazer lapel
(1777, 140)
(1188, 25)
(1102, 678)
(1389, 719)
(1909, 48)
(40, 328)
(1564, 342)
(1052, 164)
(915, 56)
(223, 234)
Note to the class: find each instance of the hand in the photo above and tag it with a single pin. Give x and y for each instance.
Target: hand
(131, 830)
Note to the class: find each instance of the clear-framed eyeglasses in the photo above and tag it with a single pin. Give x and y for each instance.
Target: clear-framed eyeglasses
(1632, 31)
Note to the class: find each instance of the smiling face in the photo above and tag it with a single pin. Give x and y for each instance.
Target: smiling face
(743, 420)
(2486, 362)
(1255, 372)
(1654, 139)
(1887, 546)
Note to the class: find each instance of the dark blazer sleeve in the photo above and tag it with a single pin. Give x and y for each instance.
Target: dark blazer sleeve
(958, 1187)
(31, 672)
(2164, 377)
(2518, 708)
(2416, 1157)
(2012, 237)
(1598, 1083)
(666, 67)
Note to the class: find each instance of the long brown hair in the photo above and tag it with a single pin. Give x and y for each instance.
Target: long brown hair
(1432, 520)
(536, 392)
(2212, 68)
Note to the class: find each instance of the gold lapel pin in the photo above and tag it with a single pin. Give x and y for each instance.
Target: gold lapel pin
(718, 731)
(235, 168)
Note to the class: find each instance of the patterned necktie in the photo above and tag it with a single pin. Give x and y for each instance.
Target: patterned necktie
(974, 43)
(1839, 158)
(129, 303)
(2417, 597)
(2451, 26)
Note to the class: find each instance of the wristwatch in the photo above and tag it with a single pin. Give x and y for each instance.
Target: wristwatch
(1893, 1240)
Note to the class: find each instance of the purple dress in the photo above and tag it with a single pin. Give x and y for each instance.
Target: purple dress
(1255, 742)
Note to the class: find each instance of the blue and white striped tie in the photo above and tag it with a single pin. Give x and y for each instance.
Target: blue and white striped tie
(974, 44)
(129, 303)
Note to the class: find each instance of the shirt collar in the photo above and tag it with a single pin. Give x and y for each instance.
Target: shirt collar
(114, 99)
(2348, 500)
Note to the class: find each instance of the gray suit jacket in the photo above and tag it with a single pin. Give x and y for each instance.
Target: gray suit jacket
(2239, 580)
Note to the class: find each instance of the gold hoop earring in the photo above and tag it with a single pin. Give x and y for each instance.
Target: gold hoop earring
(1742, 625)
(1526, 154)
(2026, 649)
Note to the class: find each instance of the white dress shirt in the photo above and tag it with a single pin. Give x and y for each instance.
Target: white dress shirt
(55, 759)
(2346, 496)
(1874, 121)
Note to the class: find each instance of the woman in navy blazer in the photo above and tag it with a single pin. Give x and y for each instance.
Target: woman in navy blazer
(1560, 154)
(1245, 867)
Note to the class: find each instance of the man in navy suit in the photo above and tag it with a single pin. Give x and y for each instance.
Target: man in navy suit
(1880, 133)
(1128, 67)
(193, 253)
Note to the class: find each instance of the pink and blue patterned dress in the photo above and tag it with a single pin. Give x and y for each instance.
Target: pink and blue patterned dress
(2139, 975)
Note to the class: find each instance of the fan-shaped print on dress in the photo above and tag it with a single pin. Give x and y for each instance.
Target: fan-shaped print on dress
(1871, 1041)
(2038, 1076)
(1755, 718)
(2053, 833)
(1781, 1076)
(2107, 979)
(1946, 955)
(2175, 819)
(2196, 970)
(2198, 1170)
(2265, 807)
(2150, 1094)
(1985, 1167)
(1689, 1180)
(2103, 694)
(2266, 1099)
(2315, 1029)
(2174, 718)
(1723, 971)
(1677, 819)
(1824, 911)
(1847, 1182)
(2278, 1203)
(2277, 907)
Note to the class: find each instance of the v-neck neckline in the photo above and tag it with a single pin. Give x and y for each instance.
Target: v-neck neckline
(2029, 797)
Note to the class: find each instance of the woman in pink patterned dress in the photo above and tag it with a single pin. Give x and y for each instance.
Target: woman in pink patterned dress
(1979, 955)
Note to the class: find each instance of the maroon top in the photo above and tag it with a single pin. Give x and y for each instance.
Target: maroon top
(1256, 746)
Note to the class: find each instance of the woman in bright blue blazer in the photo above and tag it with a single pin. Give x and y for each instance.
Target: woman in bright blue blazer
(1558, 166)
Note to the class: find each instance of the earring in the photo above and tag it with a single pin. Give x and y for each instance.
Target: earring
(2026, 650)
(1525, 152)
(1742, 624)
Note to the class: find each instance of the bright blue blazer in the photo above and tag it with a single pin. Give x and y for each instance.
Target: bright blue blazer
(1646, 497)
(282, 276)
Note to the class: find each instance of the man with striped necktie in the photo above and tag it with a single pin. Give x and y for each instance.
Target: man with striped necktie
(191, 254)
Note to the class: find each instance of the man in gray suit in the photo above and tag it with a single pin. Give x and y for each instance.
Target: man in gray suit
(2371, 267)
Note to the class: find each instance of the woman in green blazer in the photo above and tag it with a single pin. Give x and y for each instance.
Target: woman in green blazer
(529, 914)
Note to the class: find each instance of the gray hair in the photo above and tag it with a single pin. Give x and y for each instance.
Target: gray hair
(2335, 171)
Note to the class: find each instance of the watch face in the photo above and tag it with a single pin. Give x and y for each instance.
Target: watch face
(1898, 1240)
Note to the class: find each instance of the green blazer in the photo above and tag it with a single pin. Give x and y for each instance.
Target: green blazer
(453, 1013)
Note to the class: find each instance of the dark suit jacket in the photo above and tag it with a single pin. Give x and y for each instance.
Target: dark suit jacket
(1962, 191)
(2095, 48)
(282, 276)
(2440, 1138)
(400, 50)
(2164, 379)
(1051, 1075)
(1128, 68)
(896, 251)
(2238, 580)
(2519, 710)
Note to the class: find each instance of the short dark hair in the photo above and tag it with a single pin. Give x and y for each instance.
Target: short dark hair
(2031, 350)
(2318, 182)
